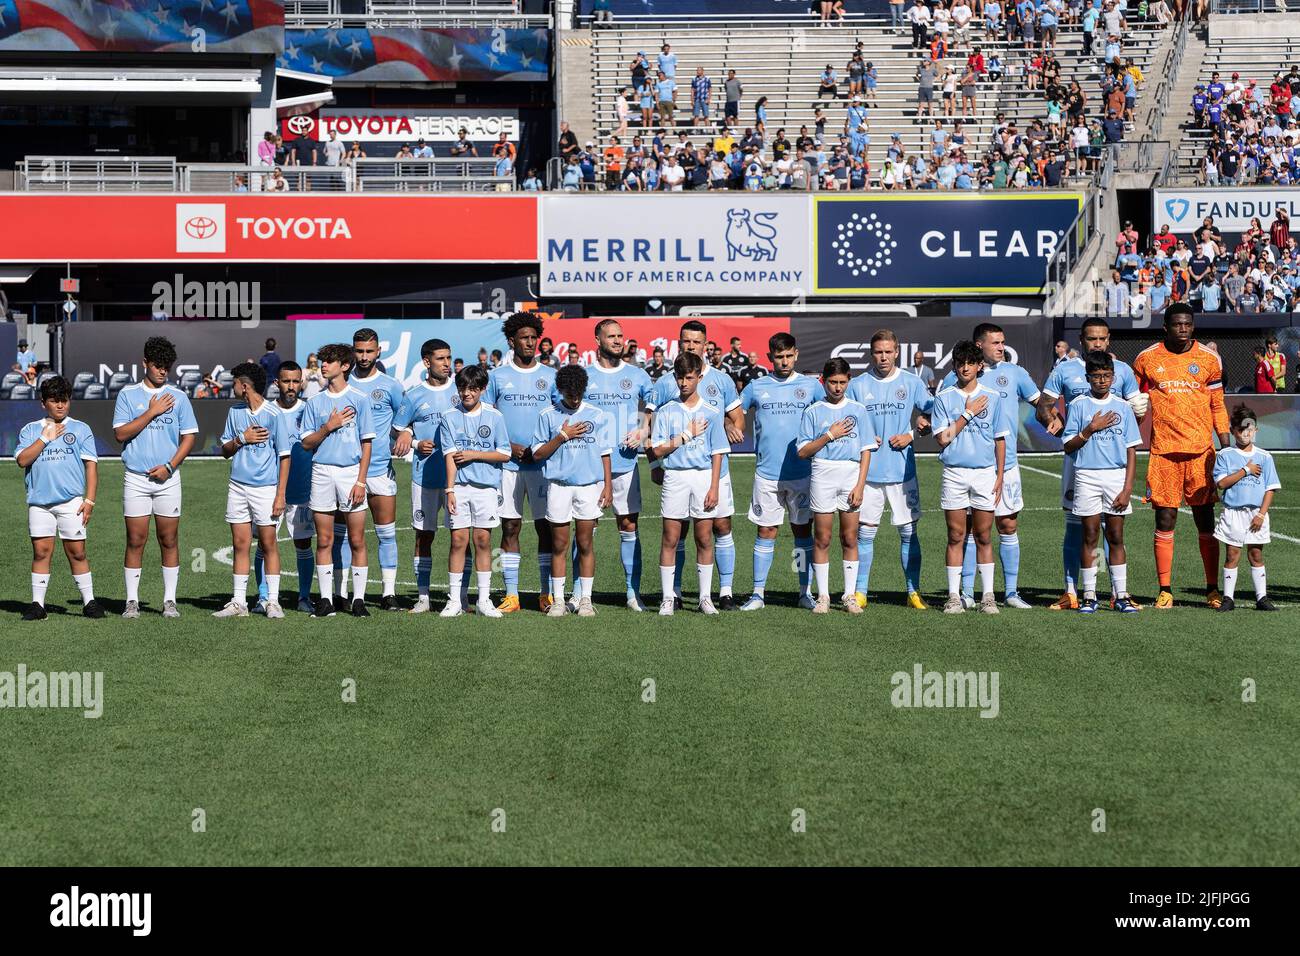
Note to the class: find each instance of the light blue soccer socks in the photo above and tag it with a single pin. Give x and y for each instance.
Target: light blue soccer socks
(866, 553)
(764, 552)
(724, 556)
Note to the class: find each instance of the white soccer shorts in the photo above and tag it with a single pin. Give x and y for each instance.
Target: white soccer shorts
(903, 498)
(772, 500)
(627, 493)
(142, 496)
(301, 521)
(968, 488)
(830, 485)
(44, 521)
(565, 503)
(476, 507)
(250, 504)
(1012, 501)
(515, 486)
(1095, 490)
(426, 503)
(385, 486)
(1233, 527)
(684, 490)
(331, 486)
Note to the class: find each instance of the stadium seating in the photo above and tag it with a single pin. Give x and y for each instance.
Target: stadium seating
(190, 381)
(23, 392)
(10, 381)
(81, 382)
(117, 382)
(95, 390)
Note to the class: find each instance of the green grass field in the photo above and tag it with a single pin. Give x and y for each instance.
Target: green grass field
(754, 716)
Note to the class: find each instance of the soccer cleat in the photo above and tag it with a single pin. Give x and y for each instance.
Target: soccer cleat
(806, 601)
(557, 609)
(305, 606)
(968, 602)
(92, 609)
(544, 602)
(1264, 604)
(634, 603)
(258, 608)
(1088, 606)
(274, 611)
(572, 604)
(915, 600)
(1164, 600)
(1125, 605)
(989, 605)
(232, 609)
(755, 603)
(340, 604)
(324, 608)
(726, 602)
(35, 612)
(851, 605)
(584, 607)
(677, 602)
(1017, 602)
(359, 608)
(823, 605)
(1069, 601)
(706, 606)
(421, 606)
(954, 605)
(389, 602)
(170, 609)
(666, 607)
(1227, 604)
(511, 604)
(452, 609)
(487, 610)
(1213, 599)
(859, 599)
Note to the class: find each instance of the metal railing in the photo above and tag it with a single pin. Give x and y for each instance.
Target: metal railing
(234, 178)
(96, 174)
(430, 175)
(1069, 253)
(1254, 6)
(416, 21)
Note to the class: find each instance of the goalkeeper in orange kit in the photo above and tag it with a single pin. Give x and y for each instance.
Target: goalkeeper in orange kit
(1185, 383)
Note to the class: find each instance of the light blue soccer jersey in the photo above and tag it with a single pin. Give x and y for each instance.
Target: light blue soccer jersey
(889, 403)
(483, 429)
(576, 462)
(421, 413)
(779, 405)
(298, 490)
(716, 388)
(385, 394)
(257, 463)
(1070, 380)
(1107, 448)
(974, 446)
(520, 395)
(343, 446)
(1011, 382)
(157, 443)
(620, 392)
(1249, 491)
(58, 473)
(672, 418)
(818, 418)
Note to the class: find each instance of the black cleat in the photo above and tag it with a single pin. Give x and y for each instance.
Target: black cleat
(359, 608)
(389, 603)
(726, 603)
(1264, 604)
(1227, 605)
(35, 612)
(324, 608)
(677, 604)
(92, 609)
(340, 605)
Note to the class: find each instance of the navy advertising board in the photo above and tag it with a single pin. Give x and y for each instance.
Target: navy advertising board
(735, 245)
(942, 244)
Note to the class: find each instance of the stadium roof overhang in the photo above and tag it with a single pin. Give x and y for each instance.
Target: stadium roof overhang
(297, 93)
(91, 85)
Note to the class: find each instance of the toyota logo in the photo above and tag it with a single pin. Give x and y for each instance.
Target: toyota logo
(200, 227)
(300, 125)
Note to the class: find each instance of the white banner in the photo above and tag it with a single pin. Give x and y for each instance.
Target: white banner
(404, 126)
(734, 244)
(1231, 207)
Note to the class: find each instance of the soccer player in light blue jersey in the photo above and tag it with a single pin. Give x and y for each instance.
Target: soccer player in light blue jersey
(1067, 381)
(574, 441)
(256, 440)
(155, 424)
(719, 393)
(420, 416)
(1014, 385)
(61, 472)
(1248, 479)
(971, 425)
(521, 389)
(836, 435)
(338, 431)
(690, 443)
(475, 444)
(891, 395)
(385, 394)
(622, 390)
(1101, 439)
(780, 473)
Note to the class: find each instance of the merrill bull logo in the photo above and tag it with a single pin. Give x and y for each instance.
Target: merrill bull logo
(751, 235)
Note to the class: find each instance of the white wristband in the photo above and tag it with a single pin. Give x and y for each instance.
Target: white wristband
(968, 416)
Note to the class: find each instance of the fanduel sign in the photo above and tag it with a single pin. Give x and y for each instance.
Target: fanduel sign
(943, 244)
(734, 245)
(1231, 207)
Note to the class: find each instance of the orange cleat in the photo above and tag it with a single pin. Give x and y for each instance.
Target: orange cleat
(1066, 602)
(509, 605)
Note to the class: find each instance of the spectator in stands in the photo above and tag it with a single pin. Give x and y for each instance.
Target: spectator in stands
(1234, 285)
(622, 107)
(961, 15)
(208, 388)
(673, 176)
(281, 151)
(532, 183)
(665, 97)
(640, 71)
(646, 102)
(26, 357)
(503, 147)
(926, 74)
(1116, 294)
(667, 62)
(613, 155)
(353, 154)
(1113, 128)
(571, 180)
(463, 147)
(266, 149)
(1211, 293)
(919, 17)
(277, 183)
(734, 91)
(701, 95)
(601, 12)
(1279, 230)
(1248, 302)
(333, 150)
(568, 143)
(969, 82)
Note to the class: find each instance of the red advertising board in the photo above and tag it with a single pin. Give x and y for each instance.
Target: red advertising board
(662, 331)
(260, 227)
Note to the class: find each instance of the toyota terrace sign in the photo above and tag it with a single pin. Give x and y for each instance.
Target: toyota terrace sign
(265, 227)
(403, 126)
(734, 245)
